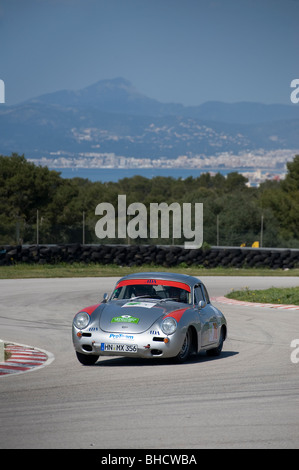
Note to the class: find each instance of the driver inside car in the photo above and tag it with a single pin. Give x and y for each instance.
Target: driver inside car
(140, 291)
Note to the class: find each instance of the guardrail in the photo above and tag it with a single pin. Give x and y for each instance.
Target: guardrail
(167, 256)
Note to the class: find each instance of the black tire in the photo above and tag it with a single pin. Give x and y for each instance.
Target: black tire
(87, 359)
(217, 351)
(186, 348)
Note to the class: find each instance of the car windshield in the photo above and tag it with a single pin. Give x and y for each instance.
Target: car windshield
(161, 290)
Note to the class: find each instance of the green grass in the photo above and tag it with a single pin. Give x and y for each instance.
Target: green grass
(26, 271)
(64, 270)
(273, 295)
(7, 354)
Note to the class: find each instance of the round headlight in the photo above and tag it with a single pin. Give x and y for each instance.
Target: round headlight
(169, 325)
(81, 320)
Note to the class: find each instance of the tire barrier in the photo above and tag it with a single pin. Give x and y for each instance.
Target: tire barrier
(136, 255)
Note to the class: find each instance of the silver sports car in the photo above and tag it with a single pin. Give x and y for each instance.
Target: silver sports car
(148, 315)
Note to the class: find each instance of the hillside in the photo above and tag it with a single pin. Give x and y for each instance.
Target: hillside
(110, 116)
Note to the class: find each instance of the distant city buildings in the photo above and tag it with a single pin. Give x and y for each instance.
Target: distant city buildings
(257, 166)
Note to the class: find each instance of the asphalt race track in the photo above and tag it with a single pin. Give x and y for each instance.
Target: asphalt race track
(247, 398)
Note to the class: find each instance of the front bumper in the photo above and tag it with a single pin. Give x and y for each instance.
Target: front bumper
(143, 345)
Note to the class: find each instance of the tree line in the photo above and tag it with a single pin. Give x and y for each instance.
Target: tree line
(36, 200)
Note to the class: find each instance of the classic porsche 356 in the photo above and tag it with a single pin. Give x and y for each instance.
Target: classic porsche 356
(152, 314)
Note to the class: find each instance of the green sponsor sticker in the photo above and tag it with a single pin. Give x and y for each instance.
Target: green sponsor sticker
(125, 319)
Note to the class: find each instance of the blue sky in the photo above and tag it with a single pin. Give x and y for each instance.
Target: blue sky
(183, 51)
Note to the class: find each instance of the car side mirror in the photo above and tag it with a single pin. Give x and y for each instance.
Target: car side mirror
(105, 297)
(202, 304)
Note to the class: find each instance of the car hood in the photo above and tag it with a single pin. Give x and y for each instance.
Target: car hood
(132, 316)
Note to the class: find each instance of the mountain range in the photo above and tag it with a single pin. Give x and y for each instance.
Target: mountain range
(111, 116)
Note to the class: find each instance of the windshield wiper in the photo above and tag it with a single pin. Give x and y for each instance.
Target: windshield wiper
(139, 297)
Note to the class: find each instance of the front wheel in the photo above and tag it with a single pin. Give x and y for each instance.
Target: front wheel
(87, 359)
(186, 348)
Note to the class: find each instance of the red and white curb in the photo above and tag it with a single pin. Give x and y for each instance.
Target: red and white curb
(225, 300)
(24, 359)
